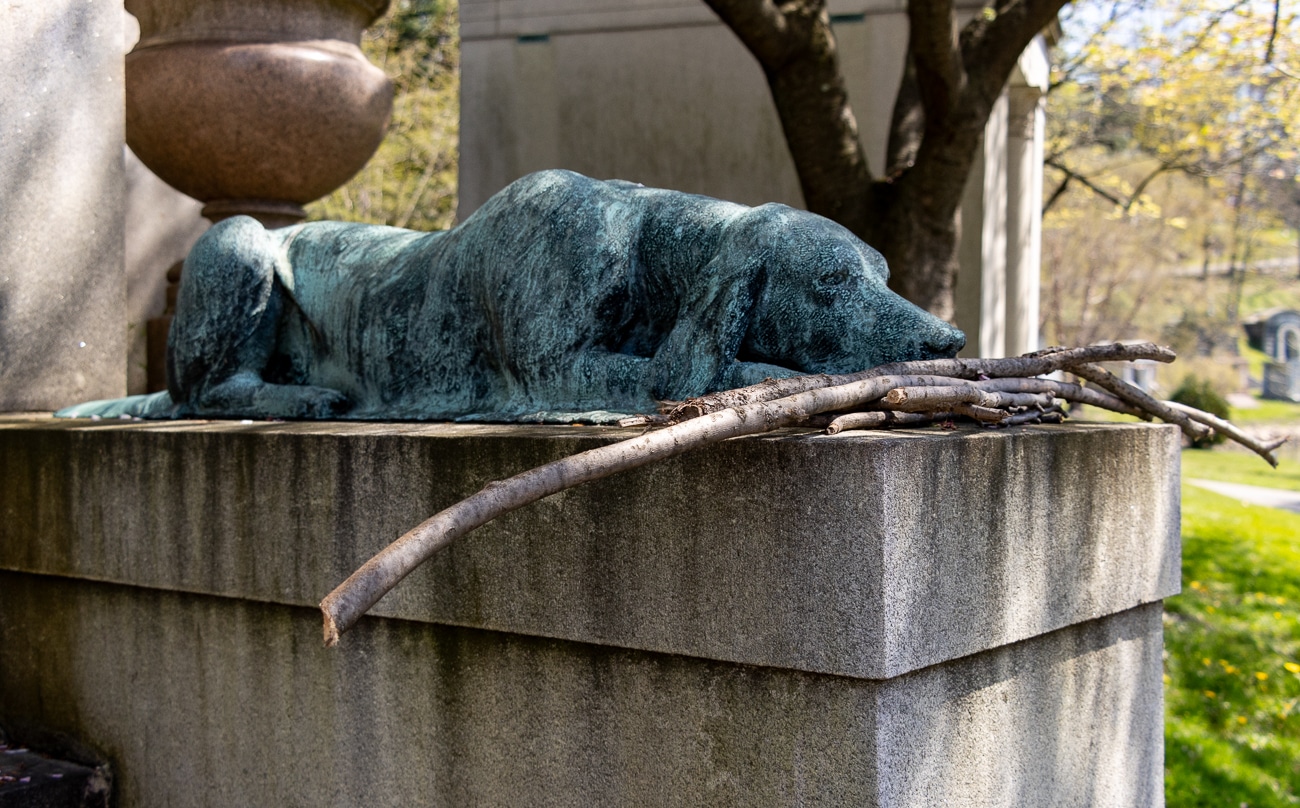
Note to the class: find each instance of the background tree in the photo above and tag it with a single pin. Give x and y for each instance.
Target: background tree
(1171, 132)
(411, 180)
(908, 208)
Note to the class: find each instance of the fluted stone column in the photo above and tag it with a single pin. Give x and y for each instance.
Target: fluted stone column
(1024, 222)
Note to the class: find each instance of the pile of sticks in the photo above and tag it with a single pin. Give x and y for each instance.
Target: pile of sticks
(994, 392)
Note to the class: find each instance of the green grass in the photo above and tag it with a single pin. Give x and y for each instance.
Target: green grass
(1240, 467)
(1232, 730)
(1268, 412)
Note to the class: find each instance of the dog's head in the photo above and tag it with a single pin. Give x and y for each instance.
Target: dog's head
(821, 303)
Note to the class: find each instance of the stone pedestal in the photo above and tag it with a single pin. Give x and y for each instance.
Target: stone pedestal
(911, 618)
(62, 276)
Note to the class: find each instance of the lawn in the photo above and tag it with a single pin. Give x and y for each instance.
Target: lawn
(1267, 412)
(1232, 666)
(1240, 467)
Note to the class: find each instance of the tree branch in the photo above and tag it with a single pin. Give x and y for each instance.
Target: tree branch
(795, 47)
(1038, 363)
(936, 57)
(991, 43)
(1272, 34)
(906, 123)
(1072, 175)
(761, 27)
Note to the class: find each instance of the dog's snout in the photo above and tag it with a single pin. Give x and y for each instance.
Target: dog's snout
(944, 341)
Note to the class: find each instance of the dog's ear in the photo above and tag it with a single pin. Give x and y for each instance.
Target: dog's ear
(711, 322)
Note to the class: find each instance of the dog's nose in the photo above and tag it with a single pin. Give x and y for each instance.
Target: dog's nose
(947, 341)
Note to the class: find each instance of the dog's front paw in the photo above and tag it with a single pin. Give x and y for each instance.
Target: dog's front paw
(300, 402)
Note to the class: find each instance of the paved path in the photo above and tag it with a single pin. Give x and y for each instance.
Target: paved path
(1253, 494)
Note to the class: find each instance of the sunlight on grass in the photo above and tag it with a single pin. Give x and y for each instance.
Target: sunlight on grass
(1268, 412)
(1232, 731)
(1240, 467)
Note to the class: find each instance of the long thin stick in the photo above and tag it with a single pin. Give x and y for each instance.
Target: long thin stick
(1263, 449)
(1122, 389)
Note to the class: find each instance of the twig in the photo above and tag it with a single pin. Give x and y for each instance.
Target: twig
(1263, 449)
(1067, 391)
(1053, 416)
(882, 418)
(985, 415)
(351, 599)
(1123, 390)
(922, 399)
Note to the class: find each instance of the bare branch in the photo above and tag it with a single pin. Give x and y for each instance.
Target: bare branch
(924, 399)
(936, 58)
(1036, 364)
(351, 599)
(882, 418)
(1272, 34)
(1127, 392)
(794, 44)
(1053, 416)
(906, 125)
(992, 42)
(985, 415)
(1064, 390)
(1262, 448)
(1072, 175)
(761, 27)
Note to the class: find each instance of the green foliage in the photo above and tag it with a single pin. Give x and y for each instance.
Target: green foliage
(1200, 393)
(1232, 667)
(411, 180)
(1172, 167)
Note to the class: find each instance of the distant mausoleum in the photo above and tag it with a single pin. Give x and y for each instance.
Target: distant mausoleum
(1276, 332)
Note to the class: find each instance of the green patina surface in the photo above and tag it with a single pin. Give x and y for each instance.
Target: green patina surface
(562, 298)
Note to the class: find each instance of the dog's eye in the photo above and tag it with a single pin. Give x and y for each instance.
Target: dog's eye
(834, 277)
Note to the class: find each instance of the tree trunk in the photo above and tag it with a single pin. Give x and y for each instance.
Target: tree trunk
(951, 81)
(921, 250)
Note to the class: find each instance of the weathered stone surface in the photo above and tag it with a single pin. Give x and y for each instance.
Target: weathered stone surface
(859, 554)
(62, 282)
(207, 701)
(902, 619)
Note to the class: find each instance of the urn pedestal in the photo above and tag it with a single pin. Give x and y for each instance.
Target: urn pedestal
(254, 107)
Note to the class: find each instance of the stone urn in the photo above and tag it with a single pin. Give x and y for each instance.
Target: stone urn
(254, 106)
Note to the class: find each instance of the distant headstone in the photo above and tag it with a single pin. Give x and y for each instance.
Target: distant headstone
(1276, 332)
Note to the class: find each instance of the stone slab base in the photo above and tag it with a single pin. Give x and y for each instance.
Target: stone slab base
(210, 701)
(913, 618)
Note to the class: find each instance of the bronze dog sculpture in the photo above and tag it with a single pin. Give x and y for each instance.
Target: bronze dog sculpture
(563, 297)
